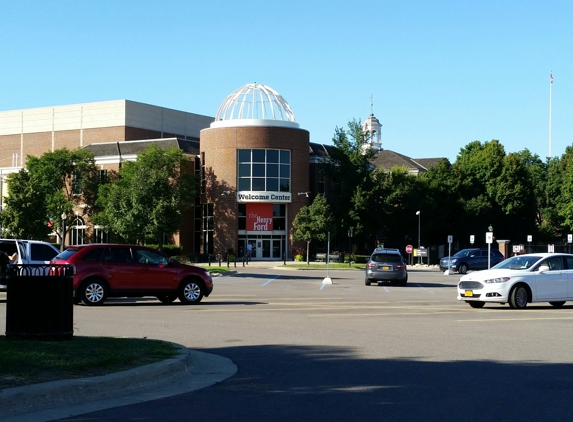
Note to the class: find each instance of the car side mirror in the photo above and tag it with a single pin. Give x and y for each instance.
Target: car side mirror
(543, 268)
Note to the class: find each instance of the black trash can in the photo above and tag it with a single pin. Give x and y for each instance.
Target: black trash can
(39, 302)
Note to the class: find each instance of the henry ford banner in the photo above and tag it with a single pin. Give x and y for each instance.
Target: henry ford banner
(259, 217)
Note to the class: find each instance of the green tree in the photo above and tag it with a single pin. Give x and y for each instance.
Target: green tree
(475, 173)
(400, 195)
(313, 223)
(149, 197)
(442, 206)
(515, 195)
(552, 221)
(24, 216)
(349, 169)
(47, 186)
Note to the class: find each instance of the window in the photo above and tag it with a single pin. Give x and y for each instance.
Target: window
(242, 214)
(102, 177)
(203, 182)
(100, 235)
(77, 231)
(279, 217)
(76, 183)
(321, 184)
(94, 255)
(263, 170)
(149, 257)
(117, 255)
(207, 228)
(41, 252)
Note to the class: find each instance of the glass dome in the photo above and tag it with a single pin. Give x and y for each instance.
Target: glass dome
(255, 105)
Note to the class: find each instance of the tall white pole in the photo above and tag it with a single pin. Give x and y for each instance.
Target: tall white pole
(550, 86)
(419, 257)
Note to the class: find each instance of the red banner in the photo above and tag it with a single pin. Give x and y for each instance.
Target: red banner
(259, 217)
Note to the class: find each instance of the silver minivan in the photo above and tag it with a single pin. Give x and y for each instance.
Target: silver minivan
(28, 252)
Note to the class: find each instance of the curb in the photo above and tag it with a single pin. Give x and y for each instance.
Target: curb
(188, 371)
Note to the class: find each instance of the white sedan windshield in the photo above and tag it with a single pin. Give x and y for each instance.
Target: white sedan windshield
(518, 262)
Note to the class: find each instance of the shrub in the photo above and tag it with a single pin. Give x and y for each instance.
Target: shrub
(171, 250)
(298, 258)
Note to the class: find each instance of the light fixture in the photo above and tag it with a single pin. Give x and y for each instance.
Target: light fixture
(225, 192)
(304, 193)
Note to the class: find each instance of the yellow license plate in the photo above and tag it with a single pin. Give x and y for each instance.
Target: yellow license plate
(469, 293)
(385, 267)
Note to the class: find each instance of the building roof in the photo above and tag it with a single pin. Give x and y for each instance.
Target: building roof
(128, 149)
(388, 159)
(102, 114)
(255, 105)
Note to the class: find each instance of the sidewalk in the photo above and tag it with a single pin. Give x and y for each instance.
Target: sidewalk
(190, 370)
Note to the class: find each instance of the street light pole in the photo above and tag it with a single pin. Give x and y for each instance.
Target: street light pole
(489, 240)
(419, 244)
(64, 216)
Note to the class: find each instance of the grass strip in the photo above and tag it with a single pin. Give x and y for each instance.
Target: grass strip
(25, 362)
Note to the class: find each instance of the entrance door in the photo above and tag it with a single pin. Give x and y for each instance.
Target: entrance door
(277, 249)
(266, 249)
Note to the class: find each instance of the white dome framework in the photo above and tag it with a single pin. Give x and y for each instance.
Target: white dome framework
(255, 104)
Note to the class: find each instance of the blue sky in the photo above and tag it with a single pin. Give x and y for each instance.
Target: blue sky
(442, 73)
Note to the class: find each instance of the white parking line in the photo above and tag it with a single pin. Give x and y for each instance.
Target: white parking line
(274, 278)
(422, 287)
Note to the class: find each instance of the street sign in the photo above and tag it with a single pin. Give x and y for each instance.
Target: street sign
(409, 249)
(551, 248)
(529, 238)
(570, 238)
(450, 238)
(472, 239)
(489, 237)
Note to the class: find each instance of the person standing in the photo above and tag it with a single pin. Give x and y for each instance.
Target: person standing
(249, 250)
(6, 259)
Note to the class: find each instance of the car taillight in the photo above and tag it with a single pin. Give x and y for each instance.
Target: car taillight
(370, 265)
(399, 266)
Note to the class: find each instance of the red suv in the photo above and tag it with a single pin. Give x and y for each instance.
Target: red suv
(108, 270)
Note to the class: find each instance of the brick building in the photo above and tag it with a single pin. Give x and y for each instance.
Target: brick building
(257, 166)
(255, 162)
(116, 131)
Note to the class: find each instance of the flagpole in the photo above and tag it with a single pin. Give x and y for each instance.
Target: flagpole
(550, 86)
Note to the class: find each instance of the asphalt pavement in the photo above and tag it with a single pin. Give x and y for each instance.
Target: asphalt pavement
(189, 371)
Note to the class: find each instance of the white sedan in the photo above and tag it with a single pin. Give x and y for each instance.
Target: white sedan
(519, 280)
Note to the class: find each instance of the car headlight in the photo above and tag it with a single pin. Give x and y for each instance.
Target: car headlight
(453, 260)
(497, 280)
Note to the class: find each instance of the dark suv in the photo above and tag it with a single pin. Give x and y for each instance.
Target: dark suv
(471, 259)
(386, 265)
(108, 270)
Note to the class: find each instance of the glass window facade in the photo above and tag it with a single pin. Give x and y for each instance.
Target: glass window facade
(266, 170)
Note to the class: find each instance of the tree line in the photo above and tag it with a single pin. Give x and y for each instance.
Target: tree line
(516, 193)
(141, 202)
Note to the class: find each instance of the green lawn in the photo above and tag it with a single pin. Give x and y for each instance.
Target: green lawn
(214, 269)
(25, 362)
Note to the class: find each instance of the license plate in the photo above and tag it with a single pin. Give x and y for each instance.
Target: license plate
(385, 267)
(469, 293)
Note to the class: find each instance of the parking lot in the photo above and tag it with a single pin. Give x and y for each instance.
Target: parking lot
(403, 353)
